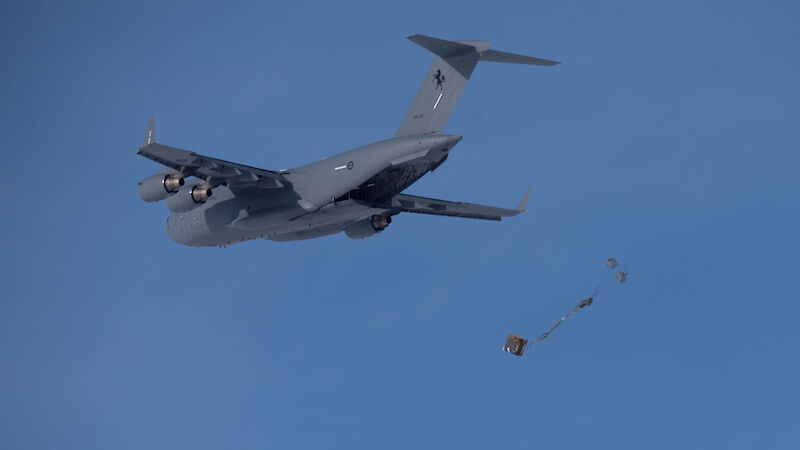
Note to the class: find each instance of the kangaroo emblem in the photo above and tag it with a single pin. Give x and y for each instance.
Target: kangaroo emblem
(438, 78)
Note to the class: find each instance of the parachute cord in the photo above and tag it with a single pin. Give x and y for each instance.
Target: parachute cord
(599, 288)
(546, 334)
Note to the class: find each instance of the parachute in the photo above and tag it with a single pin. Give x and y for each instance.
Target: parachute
(516, 345)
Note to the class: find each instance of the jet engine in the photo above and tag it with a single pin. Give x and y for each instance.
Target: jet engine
(368, 227)
(160, 186)
(188, 197)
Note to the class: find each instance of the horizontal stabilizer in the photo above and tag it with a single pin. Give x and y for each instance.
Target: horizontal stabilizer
(505, 57)
(447, 50)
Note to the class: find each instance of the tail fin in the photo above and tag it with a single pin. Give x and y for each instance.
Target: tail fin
(447, 77)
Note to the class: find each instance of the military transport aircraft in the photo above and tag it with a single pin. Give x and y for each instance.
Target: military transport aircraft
(357, 191)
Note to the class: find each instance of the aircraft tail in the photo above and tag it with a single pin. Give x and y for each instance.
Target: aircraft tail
(447, 77)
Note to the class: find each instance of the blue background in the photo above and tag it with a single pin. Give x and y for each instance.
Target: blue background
(667, 138)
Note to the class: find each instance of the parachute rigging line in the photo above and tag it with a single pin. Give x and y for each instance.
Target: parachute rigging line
(517, 345)
(544, 335)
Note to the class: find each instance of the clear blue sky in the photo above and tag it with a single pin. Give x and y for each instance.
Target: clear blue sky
(667, 138)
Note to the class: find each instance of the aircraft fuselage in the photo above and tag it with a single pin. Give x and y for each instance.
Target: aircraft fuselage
(326, 196)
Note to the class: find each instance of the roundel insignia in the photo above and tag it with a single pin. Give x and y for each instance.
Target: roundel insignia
(350, 165)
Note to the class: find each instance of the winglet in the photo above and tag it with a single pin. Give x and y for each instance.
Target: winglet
(524, 203)
(150, 135)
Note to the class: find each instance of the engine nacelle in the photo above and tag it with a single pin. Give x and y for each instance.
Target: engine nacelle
(368, 227)
(189, 197)
(160, 186)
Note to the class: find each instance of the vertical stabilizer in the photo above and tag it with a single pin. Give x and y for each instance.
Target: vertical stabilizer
(447, 77)
(441, 87)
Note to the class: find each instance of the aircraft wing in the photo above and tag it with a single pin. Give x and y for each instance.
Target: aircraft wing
(424, 205)
(214, 171)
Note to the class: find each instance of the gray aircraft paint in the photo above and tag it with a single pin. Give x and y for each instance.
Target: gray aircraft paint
(358, 190)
